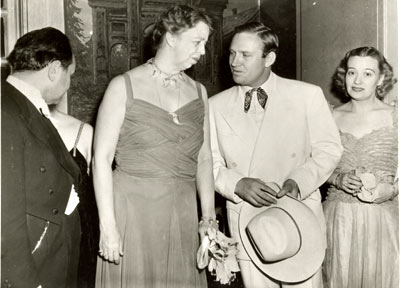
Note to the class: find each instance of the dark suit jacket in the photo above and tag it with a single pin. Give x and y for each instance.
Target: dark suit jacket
(37, 174)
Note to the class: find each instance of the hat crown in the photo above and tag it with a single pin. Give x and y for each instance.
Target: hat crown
(274, 235)
(306, 261)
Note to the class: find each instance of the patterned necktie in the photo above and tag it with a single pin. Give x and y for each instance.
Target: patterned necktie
(261, 96)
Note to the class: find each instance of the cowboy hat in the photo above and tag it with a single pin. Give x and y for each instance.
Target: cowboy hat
(284, 240)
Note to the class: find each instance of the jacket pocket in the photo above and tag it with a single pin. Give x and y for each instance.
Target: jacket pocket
(41, 237)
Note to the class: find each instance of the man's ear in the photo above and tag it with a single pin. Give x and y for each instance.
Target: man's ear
(170, 39)
(53, 69)
(270, 59)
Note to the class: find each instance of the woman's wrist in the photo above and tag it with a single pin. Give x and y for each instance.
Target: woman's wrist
(395, 191)
(107, 226)
(209, 220)
(204, 219)
(335, 180)
(208, 216)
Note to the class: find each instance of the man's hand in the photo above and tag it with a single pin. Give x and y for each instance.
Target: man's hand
(256, 192)
(289, 187)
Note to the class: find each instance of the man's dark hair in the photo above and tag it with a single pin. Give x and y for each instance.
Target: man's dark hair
(36, 49)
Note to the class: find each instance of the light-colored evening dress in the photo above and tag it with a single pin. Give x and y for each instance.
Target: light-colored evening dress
(155, 197)
(363, 238)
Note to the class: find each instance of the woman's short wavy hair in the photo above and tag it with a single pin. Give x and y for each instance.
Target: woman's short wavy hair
(37, 48)
(177, 19)
(384, 68)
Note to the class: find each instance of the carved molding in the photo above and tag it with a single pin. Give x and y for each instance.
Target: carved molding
(119, 41)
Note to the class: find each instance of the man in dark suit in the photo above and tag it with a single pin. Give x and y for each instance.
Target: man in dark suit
(40, 229)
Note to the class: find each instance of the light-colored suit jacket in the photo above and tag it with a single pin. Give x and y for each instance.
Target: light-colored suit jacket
(298, 139)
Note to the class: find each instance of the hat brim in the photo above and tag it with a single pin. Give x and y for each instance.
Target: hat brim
(311, 254)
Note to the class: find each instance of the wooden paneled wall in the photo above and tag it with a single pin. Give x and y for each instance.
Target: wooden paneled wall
(326, 30)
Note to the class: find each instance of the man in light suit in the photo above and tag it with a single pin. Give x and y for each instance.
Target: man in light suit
(40, 227)
(269, 129)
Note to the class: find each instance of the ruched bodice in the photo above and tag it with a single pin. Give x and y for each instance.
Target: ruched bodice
(152, 145)
(373, 152)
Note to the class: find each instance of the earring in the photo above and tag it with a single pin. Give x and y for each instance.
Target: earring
(379, 89)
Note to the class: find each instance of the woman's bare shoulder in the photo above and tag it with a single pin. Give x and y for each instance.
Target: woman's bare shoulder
(389, 108)
(140, 72)
(87, 132)
(66, 120)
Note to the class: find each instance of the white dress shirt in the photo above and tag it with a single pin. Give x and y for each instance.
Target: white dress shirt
(256, 112)
(31, 93)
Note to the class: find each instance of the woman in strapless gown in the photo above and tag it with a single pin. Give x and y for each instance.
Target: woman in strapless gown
(77, 137)
(361, 208)
(154, 121)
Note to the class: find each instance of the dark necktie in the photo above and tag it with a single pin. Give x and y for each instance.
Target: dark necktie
(261, 96)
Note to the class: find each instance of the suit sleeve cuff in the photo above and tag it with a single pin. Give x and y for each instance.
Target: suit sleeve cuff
(226, 184)
(235, 178)
(236, 198)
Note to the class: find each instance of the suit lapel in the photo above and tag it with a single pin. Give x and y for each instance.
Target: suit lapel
(44, 131)
(239, 122)
(268, 146)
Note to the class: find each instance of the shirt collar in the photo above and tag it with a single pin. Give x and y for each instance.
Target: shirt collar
(31, 93)
(266, 86)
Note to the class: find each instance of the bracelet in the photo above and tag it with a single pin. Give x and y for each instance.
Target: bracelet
(334, 182)
(209, 220)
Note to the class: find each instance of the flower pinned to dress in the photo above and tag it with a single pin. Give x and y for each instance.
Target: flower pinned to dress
(218, 252)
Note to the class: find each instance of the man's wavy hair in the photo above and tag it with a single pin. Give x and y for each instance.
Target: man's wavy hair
(36, 49)
(177, 19)
(266, 34)
(384, 68)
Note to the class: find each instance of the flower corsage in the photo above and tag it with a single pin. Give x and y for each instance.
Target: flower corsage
(377, 186)
(218, 252)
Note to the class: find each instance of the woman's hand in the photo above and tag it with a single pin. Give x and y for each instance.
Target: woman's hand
(349, 183)
(110, 245)
(384, 192)
(396, 188)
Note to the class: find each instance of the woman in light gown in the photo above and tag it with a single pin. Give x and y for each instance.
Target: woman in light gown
(154, 121)
(361, 208)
